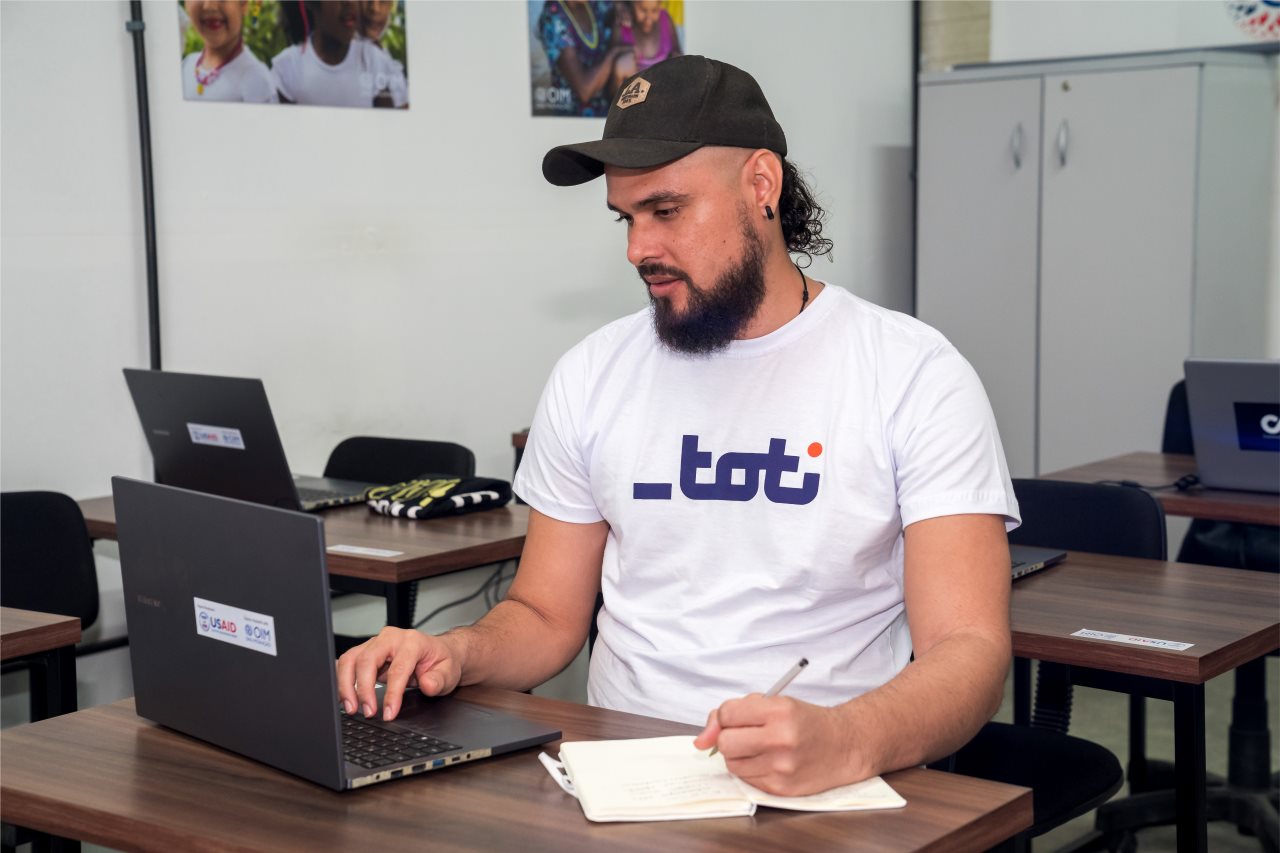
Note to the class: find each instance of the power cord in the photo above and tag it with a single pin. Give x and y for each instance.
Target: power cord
(491, 589)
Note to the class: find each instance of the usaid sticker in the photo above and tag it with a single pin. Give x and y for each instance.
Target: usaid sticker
(238, 627)
(216, 436)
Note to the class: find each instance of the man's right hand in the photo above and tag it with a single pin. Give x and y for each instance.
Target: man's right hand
(400, 658)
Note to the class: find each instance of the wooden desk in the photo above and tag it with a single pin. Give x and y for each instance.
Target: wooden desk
(49, 641)
(107, 776)
(1230, 615)
(424, 548)
(1157, 469)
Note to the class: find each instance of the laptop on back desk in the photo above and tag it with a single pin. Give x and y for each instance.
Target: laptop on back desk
(216, 434)
(231, 641)
(1235, 422)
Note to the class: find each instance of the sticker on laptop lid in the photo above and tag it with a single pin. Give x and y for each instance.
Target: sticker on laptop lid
(234, 625)
(216, 436)
(1132, 640)
(363, 552)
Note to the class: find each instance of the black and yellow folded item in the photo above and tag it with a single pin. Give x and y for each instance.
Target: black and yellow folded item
(433, 497)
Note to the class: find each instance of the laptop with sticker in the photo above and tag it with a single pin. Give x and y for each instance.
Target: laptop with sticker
(1235, 422)
(216, 434)
(231, 642)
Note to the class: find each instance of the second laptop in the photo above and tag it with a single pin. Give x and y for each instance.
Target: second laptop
(215, 434)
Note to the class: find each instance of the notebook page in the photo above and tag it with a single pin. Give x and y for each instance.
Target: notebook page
(873, 793)
(651, 779)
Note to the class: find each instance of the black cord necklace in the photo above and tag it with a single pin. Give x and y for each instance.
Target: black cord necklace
(804, 282)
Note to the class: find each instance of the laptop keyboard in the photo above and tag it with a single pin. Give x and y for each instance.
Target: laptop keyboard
(307, 495)
(371, 746)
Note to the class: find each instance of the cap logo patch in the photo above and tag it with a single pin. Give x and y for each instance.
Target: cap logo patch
(634, 94)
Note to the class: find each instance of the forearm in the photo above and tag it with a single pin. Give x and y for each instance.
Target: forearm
(514, 646)
(932, 708)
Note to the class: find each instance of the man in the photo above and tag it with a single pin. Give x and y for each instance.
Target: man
(761, 469)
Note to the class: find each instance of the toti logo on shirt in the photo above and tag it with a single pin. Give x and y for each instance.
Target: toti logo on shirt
(758, 470)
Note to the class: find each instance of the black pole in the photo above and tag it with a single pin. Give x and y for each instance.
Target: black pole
(915, 147)
(136, 27)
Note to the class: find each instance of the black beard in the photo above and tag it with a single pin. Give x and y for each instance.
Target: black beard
(715, 317)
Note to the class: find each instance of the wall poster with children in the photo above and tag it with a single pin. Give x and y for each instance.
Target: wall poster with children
(335, 53)
(581, 50)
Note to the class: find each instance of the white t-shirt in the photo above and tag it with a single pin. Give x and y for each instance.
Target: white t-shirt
(756, 499)
(244, 78)
(304, 78)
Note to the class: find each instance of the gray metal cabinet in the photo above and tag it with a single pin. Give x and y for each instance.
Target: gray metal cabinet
(1072, 236)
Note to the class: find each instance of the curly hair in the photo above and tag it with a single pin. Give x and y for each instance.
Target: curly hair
(801, 216)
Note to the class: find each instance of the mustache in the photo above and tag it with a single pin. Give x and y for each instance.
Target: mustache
(648, 271)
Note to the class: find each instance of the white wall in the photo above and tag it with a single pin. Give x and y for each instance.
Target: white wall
(424, 246)
(442, 274)
(1046, 29)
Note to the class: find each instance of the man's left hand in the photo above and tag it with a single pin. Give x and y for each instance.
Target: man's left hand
(784, 746)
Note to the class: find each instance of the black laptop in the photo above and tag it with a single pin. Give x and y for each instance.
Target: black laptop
(1028, 559)
(216, 434)
(231, 642)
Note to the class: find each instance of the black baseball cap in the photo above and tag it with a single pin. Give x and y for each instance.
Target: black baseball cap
(670, 110)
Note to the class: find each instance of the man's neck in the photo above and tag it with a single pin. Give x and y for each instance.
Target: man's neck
(784, 296)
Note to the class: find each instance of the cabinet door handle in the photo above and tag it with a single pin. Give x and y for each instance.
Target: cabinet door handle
(1062, 143)
(1015, 146)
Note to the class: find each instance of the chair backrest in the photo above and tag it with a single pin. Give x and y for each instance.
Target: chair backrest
(394, 460)
(1118, 520)
(1177, 422)
(46, 556)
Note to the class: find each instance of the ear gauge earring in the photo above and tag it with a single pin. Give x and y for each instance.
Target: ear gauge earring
(768, 213)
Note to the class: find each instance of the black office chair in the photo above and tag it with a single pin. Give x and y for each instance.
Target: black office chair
(392, 460)
(46, 564)
(1250, 796)
(1068, 776)
(1114, 520)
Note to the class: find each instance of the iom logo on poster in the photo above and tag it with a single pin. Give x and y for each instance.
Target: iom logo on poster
(1258, 18)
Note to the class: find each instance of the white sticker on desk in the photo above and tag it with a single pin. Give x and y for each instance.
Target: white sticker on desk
(363, 552)
(1132, 640)
(216, 436)
(238, 627)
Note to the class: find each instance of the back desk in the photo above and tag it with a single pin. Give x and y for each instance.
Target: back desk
(395, 551)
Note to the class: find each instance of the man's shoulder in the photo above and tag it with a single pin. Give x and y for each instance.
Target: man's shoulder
(886, 331)
(634, 329)
(608, 343)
